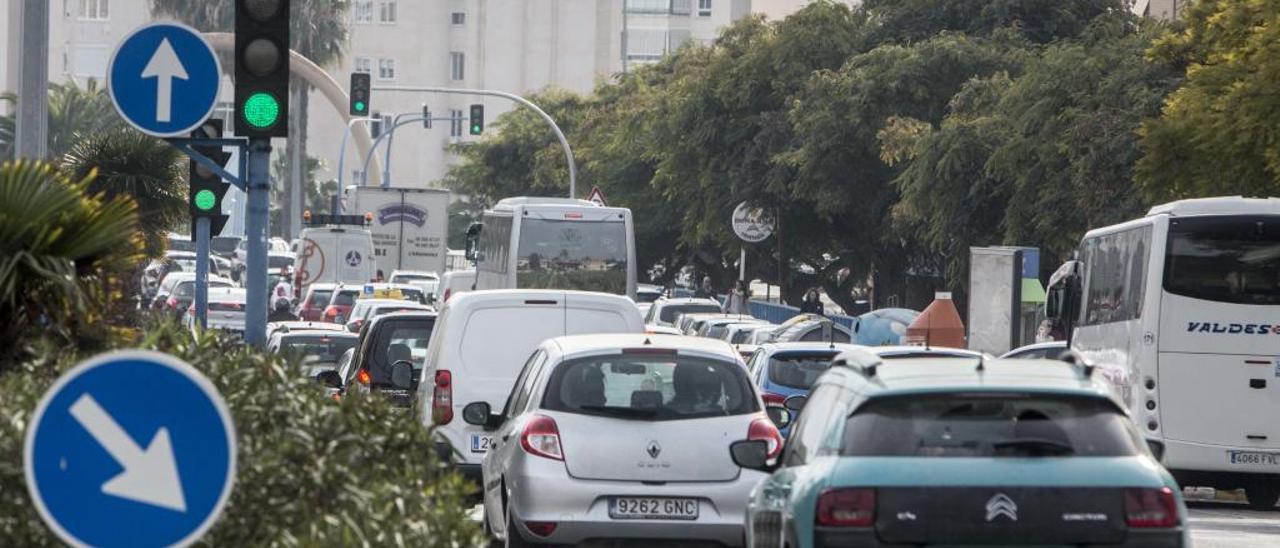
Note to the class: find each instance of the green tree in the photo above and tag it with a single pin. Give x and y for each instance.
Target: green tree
(145, 169)
(65, 254)
(1220, 132)
(74, 112)
(1040, 21)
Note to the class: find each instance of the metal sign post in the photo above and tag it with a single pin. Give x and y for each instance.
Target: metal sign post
(259, 183)
(202, 272)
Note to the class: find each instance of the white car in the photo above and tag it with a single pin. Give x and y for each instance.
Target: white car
(1050, 350)
(226, 310)
(664, 311)
(482, 338)
(365, 309)
(910, 352)
(623, 438)
(429, 282)
(318, 349)
(646, 295)
(455, 282)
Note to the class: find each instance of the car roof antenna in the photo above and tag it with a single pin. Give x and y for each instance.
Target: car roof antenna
(647, 342)
(981, 366)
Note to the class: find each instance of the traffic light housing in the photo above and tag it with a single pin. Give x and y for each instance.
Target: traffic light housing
(477, 119)
(262, 68)
(206, 189)
(359, 95)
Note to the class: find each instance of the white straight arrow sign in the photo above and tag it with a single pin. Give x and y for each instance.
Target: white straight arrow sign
(150, 476)
(164, 66)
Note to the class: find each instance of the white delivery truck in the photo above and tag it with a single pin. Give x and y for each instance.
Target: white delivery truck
(334, 249)
(409, 225)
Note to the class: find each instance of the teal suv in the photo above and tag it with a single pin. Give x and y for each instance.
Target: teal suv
(961, 451)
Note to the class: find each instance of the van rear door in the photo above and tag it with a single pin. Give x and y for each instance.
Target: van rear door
(497, 337)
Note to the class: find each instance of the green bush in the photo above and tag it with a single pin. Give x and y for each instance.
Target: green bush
(312, 472)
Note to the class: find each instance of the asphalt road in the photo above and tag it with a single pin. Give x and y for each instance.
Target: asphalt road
(1223, 525)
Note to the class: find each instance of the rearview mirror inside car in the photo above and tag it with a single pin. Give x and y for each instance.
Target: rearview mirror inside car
(402, 374)
(329, 379)
(750, 454)
(795, 403)
(627, 368)
(476, 413)
(780, 416)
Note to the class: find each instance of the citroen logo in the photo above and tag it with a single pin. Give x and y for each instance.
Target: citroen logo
(653, 449)
(1001, 505)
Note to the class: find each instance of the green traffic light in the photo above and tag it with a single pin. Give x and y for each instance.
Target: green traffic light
(261, 110)
(360, 106)
(205, 200)
(475, 130)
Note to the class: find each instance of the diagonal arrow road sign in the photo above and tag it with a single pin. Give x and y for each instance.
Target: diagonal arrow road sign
(164, 66)
(150, 475)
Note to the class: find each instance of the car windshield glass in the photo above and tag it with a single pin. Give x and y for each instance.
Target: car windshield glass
(223, 244)
(585, 255)
(188, 288)
(653, 387)
(1225, 259)
(405, 340)
(740, 336)
(279, 261)
(669, 313)
(321, 296)
(181, 244)
(798, 370)
(989, 425)
(316, 348)
(647, 296)
(345, 298)
(410, 278)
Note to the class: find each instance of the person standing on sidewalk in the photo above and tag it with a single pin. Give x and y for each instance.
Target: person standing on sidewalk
(705, 290)
(812, 304)
(736, 301)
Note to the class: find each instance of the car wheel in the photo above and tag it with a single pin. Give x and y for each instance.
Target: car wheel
(1263, 497)
(514, 540)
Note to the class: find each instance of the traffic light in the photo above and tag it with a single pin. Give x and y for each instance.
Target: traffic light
(204, 197)
(262, 68)
(375, 125)
(426, 116)
(359, 94)
(477, 119)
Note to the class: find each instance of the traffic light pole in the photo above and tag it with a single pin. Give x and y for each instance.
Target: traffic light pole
(202, 272)
(259, 183)
(564, 143)
(386, 181)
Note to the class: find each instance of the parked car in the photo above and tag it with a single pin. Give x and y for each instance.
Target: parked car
(663, 312)
(366, 309)
(1051, 350)
(622, 437)
(484, 337)
(388, 359)
(1008, 452)
(312, 304)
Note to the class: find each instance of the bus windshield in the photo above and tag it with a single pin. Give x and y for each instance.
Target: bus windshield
(585, 255)
(1224, 259)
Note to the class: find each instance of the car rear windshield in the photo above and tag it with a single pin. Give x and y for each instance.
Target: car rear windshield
(223, 244)
(400, 340)
(279, 261)
(317, 348)
(320, 296)
(650, 387)
(1225, 259)
(668, 313)
(798, 370)
(410, 278)
(989, 425)
(345, 298)
(647, 296)
(188, 288)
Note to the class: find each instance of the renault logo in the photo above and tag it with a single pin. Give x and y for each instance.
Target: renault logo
(1001, 505)
(654, 449)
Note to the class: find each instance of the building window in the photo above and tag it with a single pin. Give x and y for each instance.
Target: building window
(457, 66)
(88, 60)
(646, 44)
(455, 125)
(386, 69)
(673, 7)
(704, 8)
(364, 11)
(387, 11)
(363, 64)
(458, 18)
(98, 10)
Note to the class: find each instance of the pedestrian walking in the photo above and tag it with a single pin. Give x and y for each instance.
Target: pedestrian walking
(812, 304)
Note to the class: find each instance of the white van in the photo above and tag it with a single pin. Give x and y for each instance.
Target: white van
(482, 340)
(333, 255)
(455, 282)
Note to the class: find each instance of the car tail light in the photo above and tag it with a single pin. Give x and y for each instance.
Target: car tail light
(539, 528)
(763, 429)
(773, 399)
(362, 377)
(442, 400)
(541, 437)
(1150, 508)
(846, 508)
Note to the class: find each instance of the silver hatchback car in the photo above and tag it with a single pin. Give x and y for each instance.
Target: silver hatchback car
(612, 437)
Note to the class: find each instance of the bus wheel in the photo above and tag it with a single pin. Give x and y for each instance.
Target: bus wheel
(1263, 497)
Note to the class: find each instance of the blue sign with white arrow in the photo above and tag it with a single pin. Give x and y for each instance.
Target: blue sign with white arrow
(131, 448)
(163, 79)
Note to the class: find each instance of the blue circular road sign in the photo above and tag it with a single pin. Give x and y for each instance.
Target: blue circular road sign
(163, 79)
(130, 448)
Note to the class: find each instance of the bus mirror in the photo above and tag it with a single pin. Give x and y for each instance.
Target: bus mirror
(473, 240)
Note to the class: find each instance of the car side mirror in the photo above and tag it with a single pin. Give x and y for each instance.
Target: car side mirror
(796, 403)
(1157, 449)
(329, 379)
(750, 454)
(478, 413)
(402, 374)
(780, 416)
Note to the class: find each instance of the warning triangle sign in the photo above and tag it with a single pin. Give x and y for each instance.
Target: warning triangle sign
(597, 197)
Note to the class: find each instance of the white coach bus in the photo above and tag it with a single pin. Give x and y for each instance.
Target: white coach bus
(1181, 310)
(554, 243)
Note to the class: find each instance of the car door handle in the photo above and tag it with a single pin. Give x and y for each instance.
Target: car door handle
(1256, 437)
(1257, 383)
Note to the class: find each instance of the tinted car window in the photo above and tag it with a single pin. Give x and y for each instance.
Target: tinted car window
(650, 387)
(279, 261)
(995, 425)
(399, 339)
(798, 370)
(669, 313)
(320, 348)
(321, 296)
(344, 298)
(188, 288)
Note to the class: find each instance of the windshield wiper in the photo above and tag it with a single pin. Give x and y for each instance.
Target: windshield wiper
(620, 411)
(1036, 445)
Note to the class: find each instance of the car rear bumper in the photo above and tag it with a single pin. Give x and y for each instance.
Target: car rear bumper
(542, 490)
(859, 538)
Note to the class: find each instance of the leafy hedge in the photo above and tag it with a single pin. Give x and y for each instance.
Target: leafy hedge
(311, 471)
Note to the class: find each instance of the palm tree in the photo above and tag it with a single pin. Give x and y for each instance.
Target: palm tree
(317, 31)
(63, 253)
(143, 168)
(73, 112)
